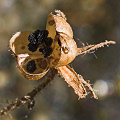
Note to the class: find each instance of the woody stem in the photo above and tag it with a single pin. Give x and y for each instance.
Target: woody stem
(30, 96)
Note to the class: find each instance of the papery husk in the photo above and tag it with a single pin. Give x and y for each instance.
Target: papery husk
(57, 26)
(39, 73)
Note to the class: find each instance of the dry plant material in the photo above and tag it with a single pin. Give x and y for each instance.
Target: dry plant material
(29, 98)
(51, 49)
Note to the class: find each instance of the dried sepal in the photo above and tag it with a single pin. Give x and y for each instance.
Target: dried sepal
(75, 81)
(72, 79)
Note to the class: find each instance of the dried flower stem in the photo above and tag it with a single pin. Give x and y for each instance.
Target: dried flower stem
(89, 48)
(30, 96)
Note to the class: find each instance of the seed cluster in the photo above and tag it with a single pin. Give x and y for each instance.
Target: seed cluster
(39, 39)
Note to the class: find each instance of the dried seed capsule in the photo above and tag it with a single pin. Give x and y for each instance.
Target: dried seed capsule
(57, 48)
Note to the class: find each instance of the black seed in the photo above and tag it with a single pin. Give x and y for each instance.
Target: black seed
(48, 41)
(42, 35)
(44, 51)
(31, 67)
(32, 39)
(40, 49)
(45, 33)
(32, 47)
(59, 42)
(37, 32)
(40, 38)
(38, 35)
(47, 51)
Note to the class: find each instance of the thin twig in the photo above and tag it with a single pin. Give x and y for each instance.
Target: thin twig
(89, 48)
(30, 96)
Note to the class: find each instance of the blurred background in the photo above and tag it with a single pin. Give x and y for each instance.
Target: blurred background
(92, 21)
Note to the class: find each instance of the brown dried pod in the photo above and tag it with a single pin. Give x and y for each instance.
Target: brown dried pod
(37, 52)
(64, 48)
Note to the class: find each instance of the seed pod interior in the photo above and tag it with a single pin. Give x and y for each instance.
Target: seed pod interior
(32, 67)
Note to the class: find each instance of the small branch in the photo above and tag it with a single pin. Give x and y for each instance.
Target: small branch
(89, 48)
(29, 98)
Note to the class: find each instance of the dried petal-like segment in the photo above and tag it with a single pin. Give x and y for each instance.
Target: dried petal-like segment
(58, 23)
(72, 79)
(19, 43)
(61, 32)
(68, 50)
(61, 25)
(32, 67)
(75, 81)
